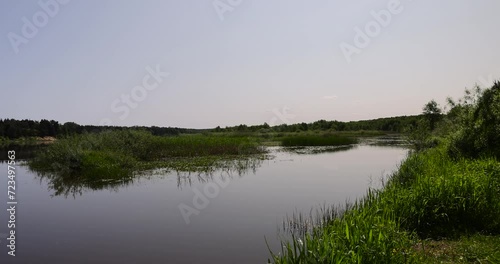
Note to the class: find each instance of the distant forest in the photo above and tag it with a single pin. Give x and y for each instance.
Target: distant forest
(390, 124)
(12, 129)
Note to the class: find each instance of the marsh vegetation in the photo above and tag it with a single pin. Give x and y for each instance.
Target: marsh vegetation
(117, 154)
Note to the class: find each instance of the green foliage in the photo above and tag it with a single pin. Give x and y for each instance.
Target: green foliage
(14, 129)
(432, 113)
(436, 196)
(98, 165)
(390, 124)
(316, 140)
(420, 135)
(480, 132)
(364, 234)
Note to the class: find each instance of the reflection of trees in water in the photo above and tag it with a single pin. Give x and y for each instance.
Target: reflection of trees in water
(23, 152)
(395, 141)
(74, 185)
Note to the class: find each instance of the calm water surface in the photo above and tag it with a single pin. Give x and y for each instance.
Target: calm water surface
(140, 222)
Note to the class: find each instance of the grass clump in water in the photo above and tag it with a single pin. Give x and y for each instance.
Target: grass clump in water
(117, 153)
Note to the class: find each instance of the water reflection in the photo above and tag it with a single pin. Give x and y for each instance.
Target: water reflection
(64, 185)
(146, 208)
(318, 150)
(224, 169)
(23, 152)
(384, 141)
(76, 185)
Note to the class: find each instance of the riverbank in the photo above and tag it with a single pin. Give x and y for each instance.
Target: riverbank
(440, 206)
(431, 200)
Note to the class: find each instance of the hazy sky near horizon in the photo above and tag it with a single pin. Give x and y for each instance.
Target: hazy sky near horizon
(240, 61)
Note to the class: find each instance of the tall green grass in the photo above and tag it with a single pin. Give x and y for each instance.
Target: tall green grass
(437, 196)
(363, 233)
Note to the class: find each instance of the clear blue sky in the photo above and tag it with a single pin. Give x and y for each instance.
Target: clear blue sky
(262, 55)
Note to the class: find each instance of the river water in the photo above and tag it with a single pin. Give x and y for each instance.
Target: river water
(170, 217)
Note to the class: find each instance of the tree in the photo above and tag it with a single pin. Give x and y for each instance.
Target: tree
(432, 113)
(45, 128)
(242, 128)
(481, 133)
(70, 128)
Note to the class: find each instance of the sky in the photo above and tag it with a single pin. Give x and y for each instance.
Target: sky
(208, 63)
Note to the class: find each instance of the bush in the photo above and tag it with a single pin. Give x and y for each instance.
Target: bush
(437, 196)
(480, 132)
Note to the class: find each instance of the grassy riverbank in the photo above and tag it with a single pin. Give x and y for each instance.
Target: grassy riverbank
(441, 206)
(432, 197)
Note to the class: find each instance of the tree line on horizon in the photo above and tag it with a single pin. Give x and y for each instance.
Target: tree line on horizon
(13, 129)
(396, 124)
